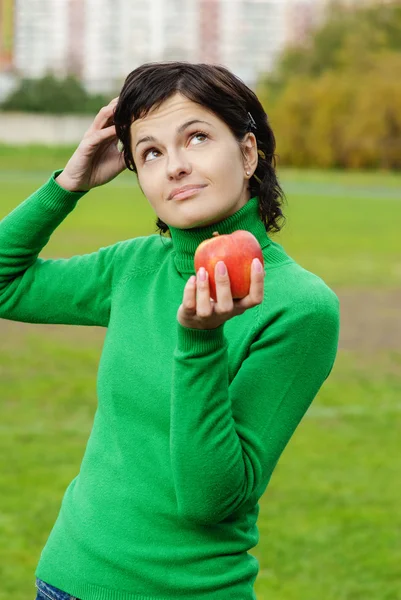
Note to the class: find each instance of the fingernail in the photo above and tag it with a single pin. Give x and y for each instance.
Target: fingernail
(202, 274)
(257, 265)
(221, 268)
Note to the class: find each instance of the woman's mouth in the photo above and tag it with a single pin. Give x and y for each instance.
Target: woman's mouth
(187, 193)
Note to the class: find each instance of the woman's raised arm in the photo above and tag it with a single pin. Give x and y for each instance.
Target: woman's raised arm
(76, 290)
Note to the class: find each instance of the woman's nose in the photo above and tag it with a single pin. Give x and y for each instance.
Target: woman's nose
(177, 165)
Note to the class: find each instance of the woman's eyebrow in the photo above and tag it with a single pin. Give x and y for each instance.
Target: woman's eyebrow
(150, 138)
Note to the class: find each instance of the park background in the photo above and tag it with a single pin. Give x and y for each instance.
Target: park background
(330, 519)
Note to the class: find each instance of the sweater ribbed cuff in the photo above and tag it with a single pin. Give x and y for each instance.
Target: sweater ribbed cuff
(200, 341)
(55, 197)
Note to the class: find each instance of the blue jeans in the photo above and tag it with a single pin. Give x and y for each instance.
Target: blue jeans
(48, 592)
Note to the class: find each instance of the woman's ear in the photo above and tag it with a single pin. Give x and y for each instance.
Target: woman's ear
(250, 152)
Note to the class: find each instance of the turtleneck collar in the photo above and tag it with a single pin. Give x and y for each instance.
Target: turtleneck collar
(186, 241)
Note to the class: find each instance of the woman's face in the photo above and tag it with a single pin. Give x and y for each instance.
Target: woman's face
(180, 156)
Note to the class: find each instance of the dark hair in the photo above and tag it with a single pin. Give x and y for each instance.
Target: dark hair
(222, 92)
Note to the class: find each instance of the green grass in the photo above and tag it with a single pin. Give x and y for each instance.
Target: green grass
(330, 519)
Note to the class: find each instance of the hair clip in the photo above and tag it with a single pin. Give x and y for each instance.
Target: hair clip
(252, 123)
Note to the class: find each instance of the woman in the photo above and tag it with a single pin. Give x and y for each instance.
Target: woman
(196, 399)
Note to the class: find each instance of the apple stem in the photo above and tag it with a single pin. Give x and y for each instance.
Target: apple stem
(215, 233)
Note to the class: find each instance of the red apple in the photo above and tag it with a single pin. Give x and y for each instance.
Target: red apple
(237, 250)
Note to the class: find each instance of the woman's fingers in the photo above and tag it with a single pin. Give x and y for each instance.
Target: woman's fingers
(223, 289)
(103, 117)
(98, 137)
(204, 307)
(256, 291)
(107, 132)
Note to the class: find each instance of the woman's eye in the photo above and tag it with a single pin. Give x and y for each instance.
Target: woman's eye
(200, 133)
(146, 152)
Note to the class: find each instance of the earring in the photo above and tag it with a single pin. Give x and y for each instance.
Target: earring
(248, 173)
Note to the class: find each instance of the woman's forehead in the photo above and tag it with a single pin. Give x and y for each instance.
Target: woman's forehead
(174, 110)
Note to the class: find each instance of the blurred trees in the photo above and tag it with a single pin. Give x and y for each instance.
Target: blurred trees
(335, 101)
(52, 95)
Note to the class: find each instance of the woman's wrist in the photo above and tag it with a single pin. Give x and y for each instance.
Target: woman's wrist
(63, 181)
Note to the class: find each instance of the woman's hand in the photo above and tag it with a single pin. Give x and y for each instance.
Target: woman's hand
(97, 159)
(199, 311)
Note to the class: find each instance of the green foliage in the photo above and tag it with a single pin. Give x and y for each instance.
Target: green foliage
(53, 95)
(334, 101)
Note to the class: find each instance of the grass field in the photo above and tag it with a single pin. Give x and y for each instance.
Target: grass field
(330, 520)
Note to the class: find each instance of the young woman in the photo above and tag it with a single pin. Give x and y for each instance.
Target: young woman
(197, 398)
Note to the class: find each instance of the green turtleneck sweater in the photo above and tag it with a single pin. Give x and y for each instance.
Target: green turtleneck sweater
(189, 424)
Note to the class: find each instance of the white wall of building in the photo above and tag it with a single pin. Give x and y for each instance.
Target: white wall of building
(23, 128)
(41, 37)
(253, 33)
(102, 44)
(119, 35)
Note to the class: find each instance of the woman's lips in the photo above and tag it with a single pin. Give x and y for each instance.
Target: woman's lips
(187, 193)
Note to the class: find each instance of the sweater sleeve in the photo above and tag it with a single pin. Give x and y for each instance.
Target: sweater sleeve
(226, 439)
(70, 291)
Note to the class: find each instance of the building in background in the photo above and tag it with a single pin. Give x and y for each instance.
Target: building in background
(76, 33)
(302, 16)
(244, 35)
(101, 41)
(6, 34)
(41, 37)
(210, 29)
(254, 33)
(6, 47)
